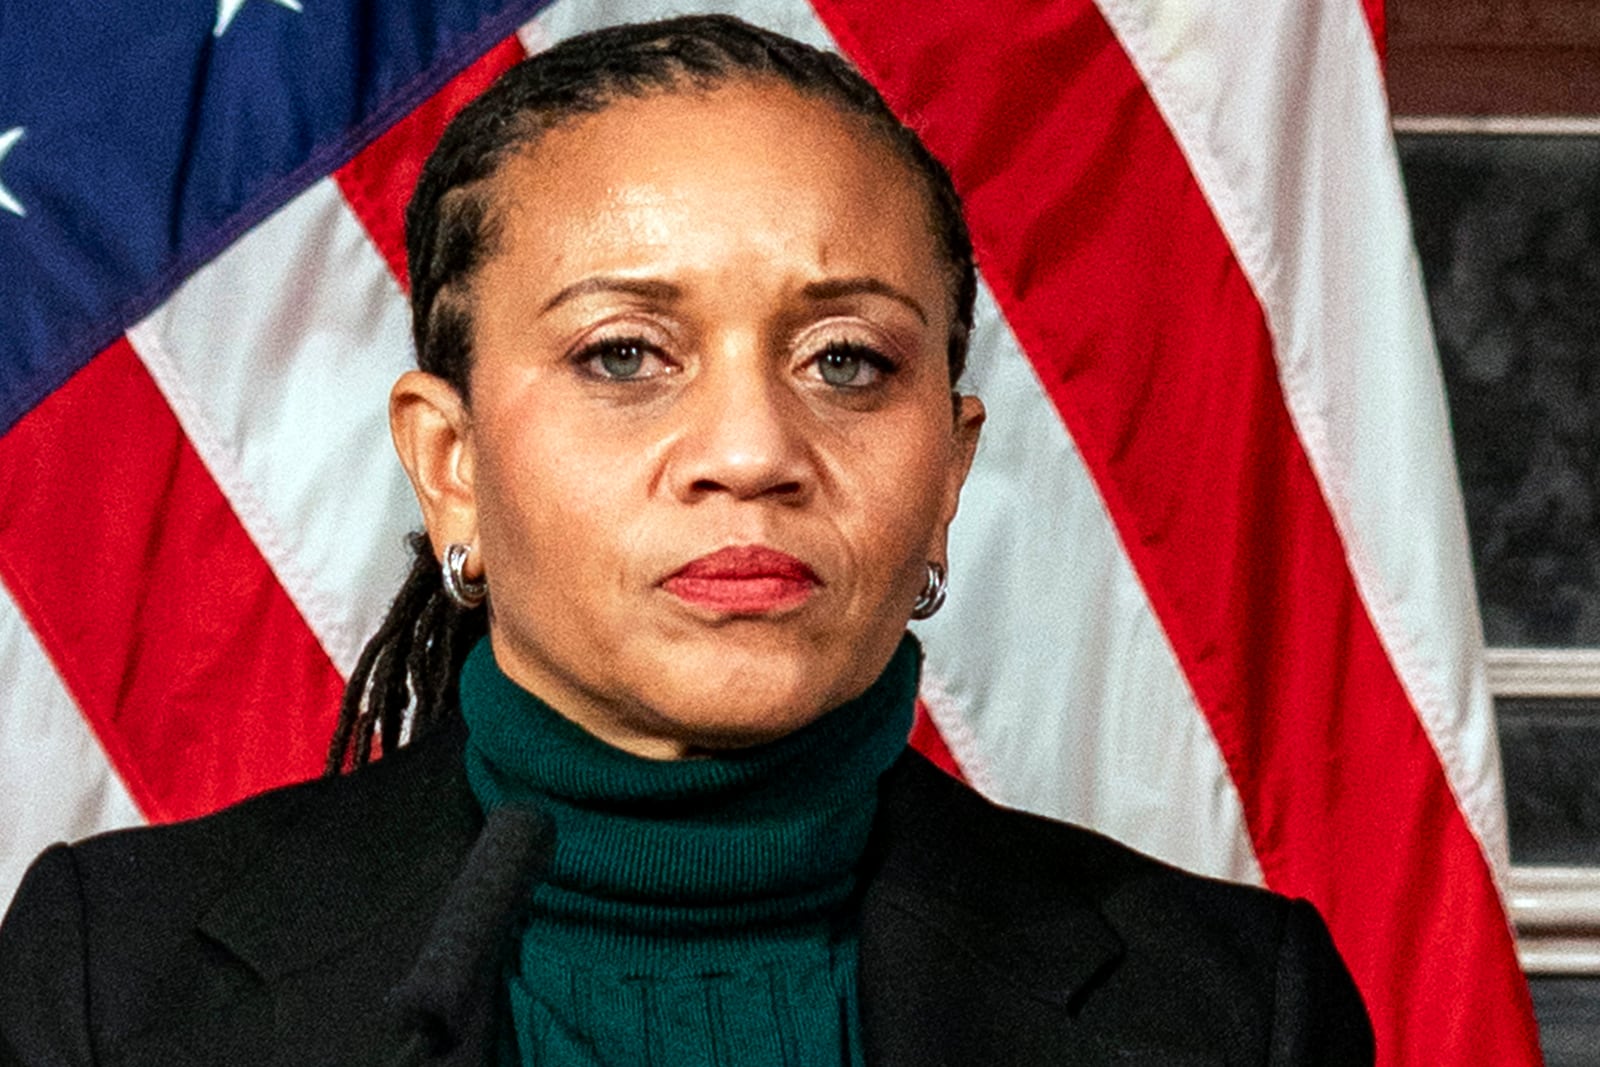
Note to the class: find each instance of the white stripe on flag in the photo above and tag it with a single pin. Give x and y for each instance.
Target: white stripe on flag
(55, 780)
(1316, 216)
(297, 435)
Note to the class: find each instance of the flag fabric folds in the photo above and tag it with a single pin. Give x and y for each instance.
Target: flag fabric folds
(1210, 589)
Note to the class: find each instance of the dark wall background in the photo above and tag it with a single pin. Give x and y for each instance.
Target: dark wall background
(1508, 229)
(1494, 57)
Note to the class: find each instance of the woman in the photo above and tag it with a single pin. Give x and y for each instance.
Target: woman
(690, 306)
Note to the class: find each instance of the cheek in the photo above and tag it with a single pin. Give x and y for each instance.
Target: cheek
(537, 502)
(900, 490)
(565, 521)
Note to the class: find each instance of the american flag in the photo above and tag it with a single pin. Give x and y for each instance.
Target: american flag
(1210, 584)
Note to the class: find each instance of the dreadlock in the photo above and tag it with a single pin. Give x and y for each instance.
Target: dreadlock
(405, 681)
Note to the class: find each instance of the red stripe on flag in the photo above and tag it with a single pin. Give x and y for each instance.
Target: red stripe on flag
(1123, 291)
(195, 670)
(377, 183)
(926, 739)
(1377, 20)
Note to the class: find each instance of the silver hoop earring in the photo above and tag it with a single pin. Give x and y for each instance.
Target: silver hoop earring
(932, 597)
(466, 594)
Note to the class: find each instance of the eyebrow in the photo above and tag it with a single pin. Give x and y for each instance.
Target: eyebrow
(834, 288)
(665, 292)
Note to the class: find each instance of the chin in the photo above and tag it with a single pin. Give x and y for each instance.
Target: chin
(731, 700)
(739, 718)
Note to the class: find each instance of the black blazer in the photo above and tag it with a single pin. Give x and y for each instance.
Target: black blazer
(276, 932)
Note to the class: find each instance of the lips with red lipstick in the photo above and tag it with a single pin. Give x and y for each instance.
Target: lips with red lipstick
(744, 580)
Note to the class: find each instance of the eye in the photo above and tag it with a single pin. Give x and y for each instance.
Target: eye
(622, 359)
(848, 365)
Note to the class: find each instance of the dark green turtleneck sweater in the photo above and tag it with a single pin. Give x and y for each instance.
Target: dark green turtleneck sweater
(697, 912)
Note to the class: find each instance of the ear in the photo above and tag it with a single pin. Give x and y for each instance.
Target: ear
(969, 416)
(433, 434)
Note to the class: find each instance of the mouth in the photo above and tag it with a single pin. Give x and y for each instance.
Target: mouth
(744, 580)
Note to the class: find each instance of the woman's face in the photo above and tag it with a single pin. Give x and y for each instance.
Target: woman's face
(710, 445)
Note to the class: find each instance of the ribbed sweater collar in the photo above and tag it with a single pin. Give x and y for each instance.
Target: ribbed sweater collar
(681, 862)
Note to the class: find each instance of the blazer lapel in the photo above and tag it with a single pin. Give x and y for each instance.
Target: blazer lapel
(965, 959)
(341, 906)
(447, 1001)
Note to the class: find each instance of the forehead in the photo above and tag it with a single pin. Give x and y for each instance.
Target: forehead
(753, 164)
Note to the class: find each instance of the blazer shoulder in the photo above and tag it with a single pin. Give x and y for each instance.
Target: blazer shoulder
(418, 784)
(173, 926)
(43, 988)
(1179, 953)
(972, 842)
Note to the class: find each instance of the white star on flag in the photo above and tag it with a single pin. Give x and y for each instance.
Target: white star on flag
(7, 201)
(227, 9)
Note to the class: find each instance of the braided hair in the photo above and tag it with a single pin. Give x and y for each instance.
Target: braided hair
(404, 683)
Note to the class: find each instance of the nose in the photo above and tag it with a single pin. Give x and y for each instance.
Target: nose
(744, 435)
